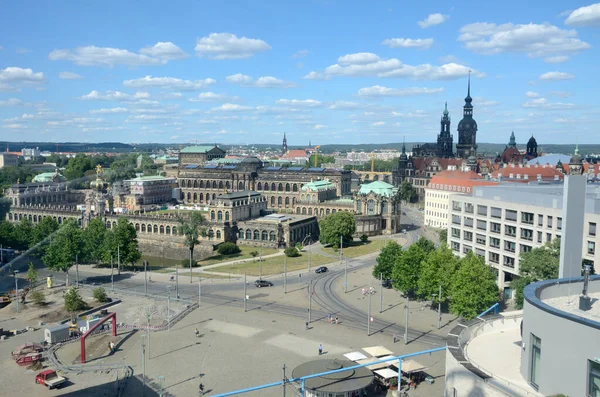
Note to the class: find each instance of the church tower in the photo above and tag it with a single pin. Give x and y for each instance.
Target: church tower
(513, 141)
(444, 140)
(532, 148)
(467, 128)
(284, 148)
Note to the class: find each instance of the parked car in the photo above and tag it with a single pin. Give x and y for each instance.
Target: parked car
(403, 231)
(263, 283)
(403, 213)
(50, 379)
(386, 284)
(322, 269)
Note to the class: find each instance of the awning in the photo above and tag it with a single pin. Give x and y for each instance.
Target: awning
(373, 367)
(386, 373)
(378, 351)
(410, 366)
(355, 356)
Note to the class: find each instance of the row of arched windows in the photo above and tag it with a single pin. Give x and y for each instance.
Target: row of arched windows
(248, 234)
(219, 215)
(155, 229)
(199, 197)
(38, 218)
(280, 187)
(201, 184)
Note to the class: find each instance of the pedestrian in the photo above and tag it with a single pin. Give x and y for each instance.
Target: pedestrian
(329, 318)
(109, 348)
(112, 347)
(197, 332)
(395, 338)
(337, 319)
(201, 387)
(320, 349)
(307, 325)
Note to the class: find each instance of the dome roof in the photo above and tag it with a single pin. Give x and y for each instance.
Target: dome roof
(467, 124)
(378, 187)
(532, 141)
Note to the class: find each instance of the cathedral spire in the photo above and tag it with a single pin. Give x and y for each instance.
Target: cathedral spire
(284, 147)
(512, 142)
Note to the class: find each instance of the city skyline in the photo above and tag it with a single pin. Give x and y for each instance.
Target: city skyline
(324, 72)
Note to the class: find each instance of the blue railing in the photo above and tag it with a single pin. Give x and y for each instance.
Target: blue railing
(495, 307)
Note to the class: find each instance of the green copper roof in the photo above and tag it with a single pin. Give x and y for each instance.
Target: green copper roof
(378, 187)
(47, 177)
(196, 149)
(318, 185)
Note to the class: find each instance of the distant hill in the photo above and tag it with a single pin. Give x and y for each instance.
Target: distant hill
(487, 149)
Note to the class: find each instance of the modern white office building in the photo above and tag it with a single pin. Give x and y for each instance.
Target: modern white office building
(498, 223)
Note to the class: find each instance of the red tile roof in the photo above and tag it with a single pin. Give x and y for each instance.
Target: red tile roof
(529, 172)
(294, 153)
(458, 181)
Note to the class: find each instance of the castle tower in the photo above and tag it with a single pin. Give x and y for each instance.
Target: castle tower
(445, 138)
(467, 128)
(512, 142)
(532, 148)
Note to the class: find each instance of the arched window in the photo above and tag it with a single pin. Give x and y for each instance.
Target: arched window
(303, 210)
(195, 198)
(298, 210)
(189, 196)
(219, 216)
(280, 187)
(195, 183)
(155, 229)
(137, 227)
(287, 201)
(295, 187)
(273, 187)
(302, 197)
(241, 234)
(327, 211)
(189, 183)
(272, 201)
(333, 211)
(214, 184)
(287, 187)
(212, 215)
(201, 184)
(265, 235)
(174, 231)
(220, 184)
(248, 234)
(227, 216)
(201, 197)
(218, 234)
(168, 229)
(256, 235)
(279, 200)
(227, 185)
(214, 197)
(310, 211)
(162, 229)
(272, 236)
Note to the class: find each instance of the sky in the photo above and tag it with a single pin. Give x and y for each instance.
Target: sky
(322, 71)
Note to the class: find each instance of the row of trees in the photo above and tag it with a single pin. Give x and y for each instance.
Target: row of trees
(25, 234)
(468, 285)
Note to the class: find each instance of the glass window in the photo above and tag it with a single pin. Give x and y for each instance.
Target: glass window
(496, 212)
(536, 355)
(494, 242)
(480, 238)
(540, 220)
(481, 225)
(559, 223)
(468, 236)
(511, 215)
(594, 376)
(539, 237)
(469, 208)
(510, 230)
(592, 229)
(548, 237)
(527, 217)
(550, 222)
(469, 222)
(591, 247)
(482, 210)
(494, 257)
(495, 227)
(455, 232)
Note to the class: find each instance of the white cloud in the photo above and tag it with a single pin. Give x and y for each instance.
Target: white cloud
(103, 56)
(344, 105)
(537, 40)
(69, 76)
(13, 77)
(171, 95)
(585, 16)
(378, 91)
(148, 118)
(557, 59)
(109, 111)
(360, 58)
(213, 97)
(531, 94)
(408, 43)
(114, 96)
(417, 114)
(261, 82)
(230, 107)
(229, 46)
(14, 126)
(168, 83)
(12, 102)
(378, 123)
(556, 76)
(542, 103)
(433, 20)
(319, 126)
(567, 120)
(23, 50)
(299, 102)
(165, 51)
(367, 64)
(24, 116)
(301, 54)
(561, 94)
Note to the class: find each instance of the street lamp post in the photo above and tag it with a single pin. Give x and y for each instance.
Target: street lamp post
(16, 289)
(143, 337)
(285, 274)
(309, 300)
(146, 278)
(440, 308)
(161, 379)
(309, 246)
(369, 315)
(346, 276)
(406, 307)
(119, 259)
(245, 296)
(380, 292)
(169, 308)
(260, 263)
(199, 289)
(112, 279)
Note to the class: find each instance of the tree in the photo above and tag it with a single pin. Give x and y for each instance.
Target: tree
(122, 240)
(364, 238)
(77, 167)
(408, 193)
(437, 270)
(254, 254)
(32, 276)
(120, 170)
(93, 240)
(473, 287)
(538, 264)
(38, 298)
(333, 226)
(100, 294)
(4, 207)
(291, 252)
(407, 268)
(443, 233)
(73, 301)
(23, 234)
(66, 245)
(321, 159)
(191, 228)
(43, 229)
(7, 232)
(387, 258)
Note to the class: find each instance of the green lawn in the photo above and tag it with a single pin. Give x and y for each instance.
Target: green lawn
(275, 265)
(357, 248)
(245, 254)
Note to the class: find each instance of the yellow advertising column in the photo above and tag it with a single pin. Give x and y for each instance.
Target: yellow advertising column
(49, 281)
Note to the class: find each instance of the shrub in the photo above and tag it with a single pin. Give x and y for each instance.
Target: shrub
(100, 295)
(38, 298)
(364, 238)
(228, 249)
(73, 301)
(186, 263)
(291, 252)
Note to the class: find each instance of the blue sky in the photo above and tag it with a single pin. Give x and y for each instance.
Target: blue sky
(322, 71)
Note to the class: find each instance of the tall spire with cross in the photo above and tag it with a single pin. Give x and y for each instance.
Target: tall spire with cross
(467, 127)
(284, 147)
